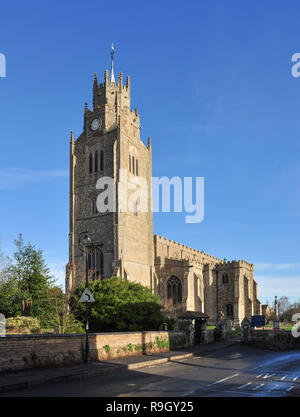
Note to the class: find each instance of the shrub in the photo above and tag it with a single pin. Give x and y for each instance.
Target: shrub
(120, 305)
(23, 324)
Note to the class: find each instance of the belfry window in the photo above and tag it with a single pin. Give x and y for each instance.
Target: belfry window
(133, 165)
(94, 207)
(101, 161)
(95, 265)
(174, 290)
(137, 167)
(129, 163)
(96, 161)
(90, 163)
(225, 279)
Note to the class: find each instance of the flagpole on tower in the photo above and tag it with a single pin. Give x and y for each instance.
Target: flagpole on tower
(112, 79)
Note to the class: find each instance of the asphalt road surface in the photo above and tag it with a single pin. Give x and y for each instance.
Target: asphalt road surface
(235, 371)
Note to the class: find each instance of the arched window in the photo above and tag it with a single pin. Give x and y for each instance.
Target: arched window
(174, 290)
(101, 161)
(129, 163)
(229, 310)
(96, 161)
(95, 264)
(90, 163)
(137, 167)
(225, 279)
(133, 165)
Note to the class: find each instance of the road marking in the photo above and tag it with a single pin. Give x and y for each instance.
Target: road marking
(224, 379)
(243, 386)
(273, 387)
(258, 376)
(295, 379)
(258, 386)
(283, 378)
(187, 393)
(291, 387)
(268, 376)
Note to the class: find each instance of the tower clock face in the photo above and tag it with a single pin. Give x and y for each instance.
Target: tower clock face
(95, 124)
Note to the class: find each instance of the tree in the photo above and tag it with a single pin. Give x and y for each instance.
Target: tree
(26, 286)
(120, 305)
(283, 305)
(287, 315)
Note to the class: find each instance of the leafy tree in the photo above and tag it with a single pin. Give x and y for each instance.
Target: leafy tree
(120, 305)
(26, 286)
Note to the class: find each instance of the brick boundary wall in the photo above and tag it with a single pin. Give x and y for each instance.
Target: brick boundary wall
(33, 351)
(274, 340)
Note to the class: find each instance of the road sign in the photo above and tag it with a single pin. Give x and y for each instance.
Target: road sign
(87, 297)
(258, 321)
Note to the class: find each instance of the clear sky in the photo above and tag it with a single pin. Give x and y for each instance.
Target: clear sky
(213, 85)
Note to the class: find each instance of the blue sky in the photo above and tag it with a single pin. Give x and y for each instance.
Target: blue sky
(213, 85)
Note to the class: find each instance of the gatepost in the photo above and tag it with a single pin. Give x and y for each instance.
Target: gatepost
(220, 330)
(246, 330)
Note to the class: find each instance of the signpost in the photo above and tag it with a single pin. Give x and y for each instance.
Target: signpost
(87, 297)
(258, 321)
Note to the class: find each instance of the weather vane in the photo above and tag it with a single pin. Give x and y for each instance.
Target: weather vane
(112, 79)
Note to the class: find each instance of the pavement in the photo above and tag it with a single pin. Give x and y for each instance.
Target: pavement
(16, 380)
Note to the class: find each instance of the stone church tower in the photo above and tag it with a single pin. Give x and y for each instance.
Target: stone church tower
(121, 241)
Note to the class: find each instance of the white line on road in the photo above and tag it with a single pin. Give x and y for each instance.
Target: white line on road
(283, 378)
(258, 386)
(224, 379)
(187, 393)
(268, 376)
(291, 387)
(273, 387)
(243, 386)
(295, 379)
(258, 376)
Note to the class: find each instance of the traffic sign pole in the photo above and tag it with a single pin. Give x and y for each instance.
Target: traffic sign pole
(87, 346)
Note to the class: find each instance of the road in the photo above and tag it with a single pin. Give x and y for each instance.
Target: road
(232, 371)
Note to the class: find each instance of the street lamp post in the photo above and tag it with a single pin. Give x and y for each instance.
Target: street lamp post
(86, 242)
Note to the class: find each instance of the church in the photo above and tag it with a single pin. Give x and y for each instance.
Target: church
(122, 243)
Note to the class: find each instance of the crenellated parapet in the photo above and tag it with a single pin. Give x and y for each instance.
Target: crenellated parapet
(171, 249)
(111, 103)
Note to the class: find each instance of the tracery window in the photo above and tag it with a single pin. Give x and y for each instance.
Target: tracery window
(174, 290)
(229, 310)
(95, 265)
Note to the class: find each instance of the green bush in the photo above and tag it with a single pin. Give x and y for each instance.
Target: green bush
(106, 348)
(23, 324)
(120, 305)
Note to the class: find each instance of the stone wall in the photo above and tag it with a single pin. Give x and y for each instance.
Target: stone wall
(273, 340)
(33, 351)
